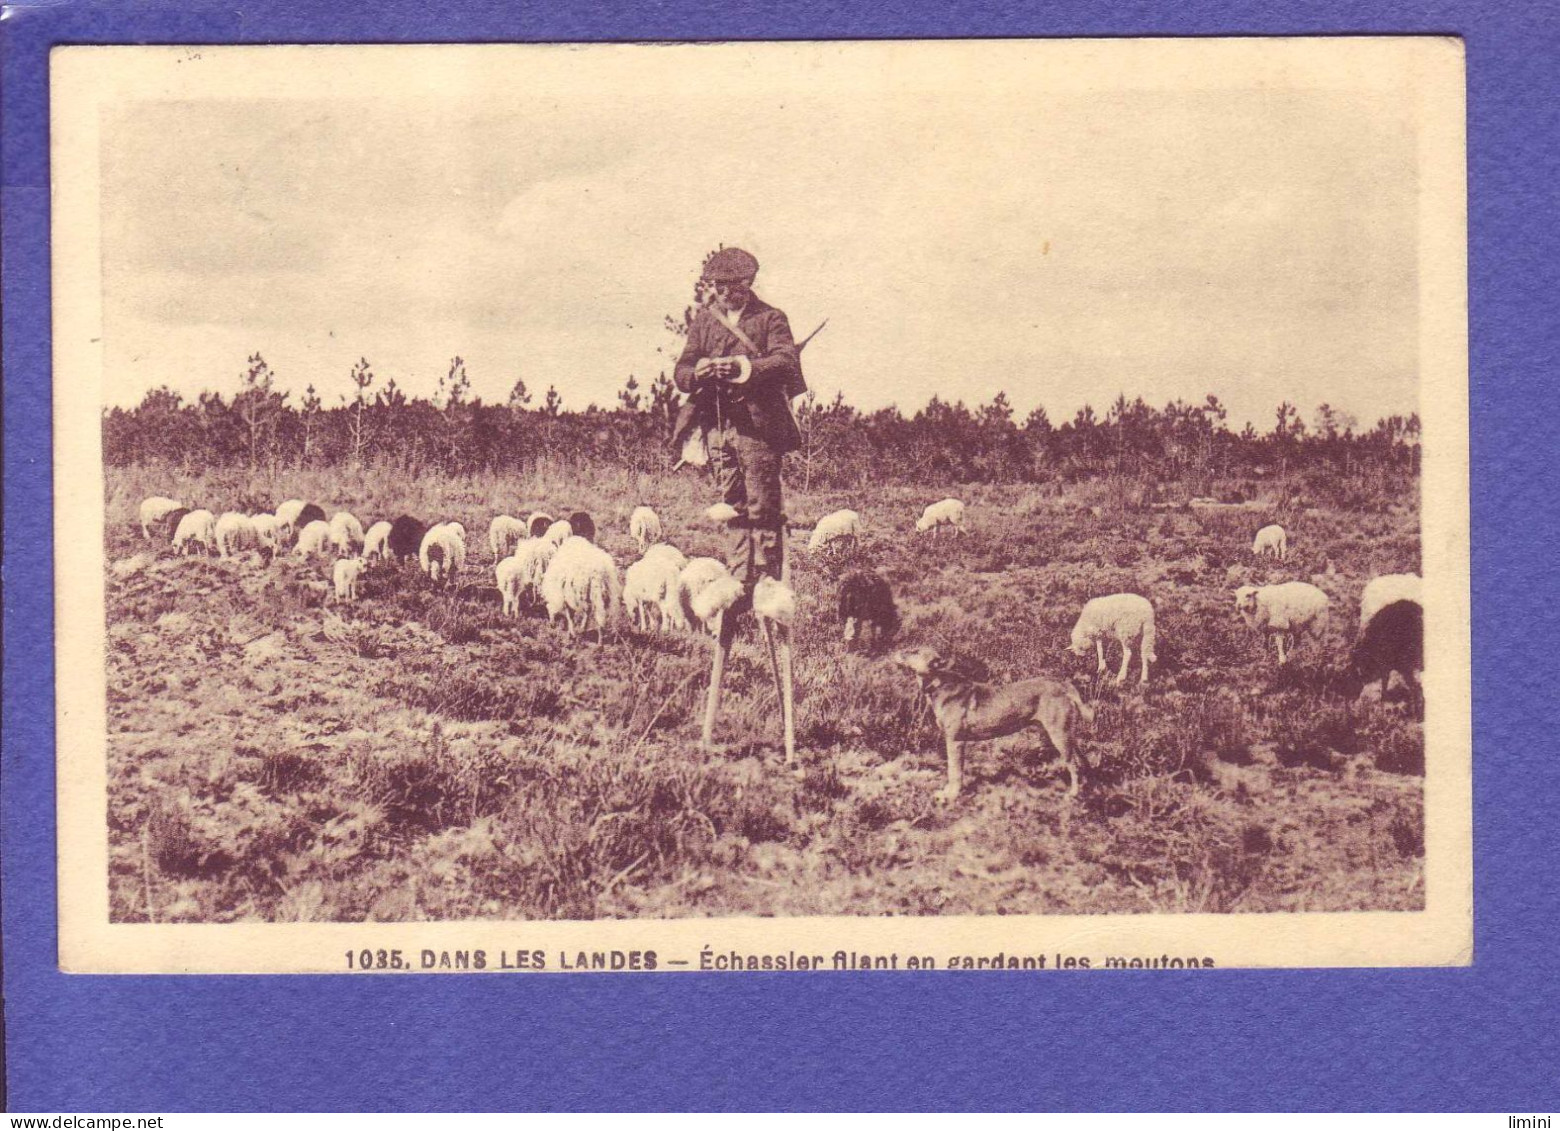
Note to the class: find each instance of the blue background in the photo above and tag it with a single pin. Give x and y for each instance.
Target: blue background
(1482, 1038)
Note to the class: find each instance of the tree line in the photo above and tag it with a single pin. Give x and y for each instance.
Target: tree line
(378, 426)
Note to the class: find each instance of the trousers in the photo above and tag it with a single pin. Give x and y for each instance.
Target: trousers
(747, 473)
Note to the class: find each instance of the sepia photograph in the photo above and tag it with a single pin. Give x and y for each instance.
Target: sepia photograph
(949, 505)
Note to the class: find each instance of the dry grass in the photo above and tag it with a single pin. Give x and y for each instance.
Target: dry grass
(276, 756)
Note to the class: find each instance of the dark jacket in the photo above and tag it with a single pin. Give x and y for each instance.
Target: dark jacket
(761, 406)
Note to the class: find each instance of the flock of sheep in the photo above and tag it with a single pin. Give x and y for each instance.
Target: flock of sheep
(556, 564)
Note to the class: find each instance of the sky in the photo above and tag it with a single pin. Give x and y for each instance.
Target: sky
(964, 233)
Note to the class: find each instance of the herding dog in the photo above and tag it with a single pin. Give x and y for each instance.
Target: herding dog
(969, 709)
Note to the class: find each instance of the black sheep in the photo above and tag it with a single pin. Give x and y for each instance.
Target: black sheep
(583, 526)
(168, 524)
(540, 521)
(867, 601)
(406, 535)
(311, 513)
(1393, 641)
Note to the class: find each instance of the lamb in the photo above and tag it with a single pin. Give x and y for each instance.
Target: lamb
(196, 529)
(1392, 641)
(346, 534)
(442, 554)
(558, 532)
(235, 532)
(582, 579)
(841, 526)
(538, 523)
(313, 539)
(1271, 540)
(376, 543)
(949, 512)
(650, 587)
(1123, 617)
(503, 533)
(696, 608)
(581, 525)
(346, 575)
(867, 602)
(154, 511)
(1382, 591)
(720, 513)
(406, 535)
(1290, 610)
(644, 527)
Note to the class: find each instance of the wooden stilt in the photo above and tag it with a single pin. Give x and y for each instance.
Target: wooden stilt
(728, 629)
(787, 697)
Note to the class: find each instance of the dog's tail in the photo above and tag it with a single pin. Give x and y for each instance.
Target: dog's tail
(1077, 701)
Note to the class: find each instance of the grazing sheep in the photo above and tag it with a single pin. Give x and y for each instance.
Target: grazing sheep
(774, 601)
(1392, 641)
(581, 525)
(506, 575)
(949, 512)
(267, 533)
(1382, 591)
(558, 532)
(1123, 617)
(532, 557)
(503, 533)
(841, 526)
(538, 523)
(235, 532)
(346, 575)
(582, 579)
(867, 602)
(650, 585)
(442, 554)
(644, 527)
(1271, 540)
(346, 534)
(287, 517)
(376, 543)
(1290, 610)
(406, 535)
(720, 513)
(313, 539)
(154, 511)
(168, 525)
(198, 528)
(697, 576)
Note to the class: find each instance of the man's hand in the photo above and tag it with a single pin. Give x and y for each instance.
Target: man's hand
(704, 370)
(726, 368)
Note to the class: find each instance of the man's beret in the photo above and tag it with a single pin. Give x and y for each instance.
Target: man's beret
(731, 263)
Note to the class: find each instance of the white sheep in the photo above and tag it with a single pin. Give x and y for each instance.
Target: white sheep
(503, 532)
(558, 532)
(582, 579)
(287, 516)
(346, 575)
(837, 527)
(154, 510)
(198, 528)
(1271, 540)
(644, 527)
(696, 608)
(1125, 618)
(313, 539)
(1382, 591)
(532, 557)
(443, 551)
(774, 601)
(949, 512)
(506, 575)
(346, 534)
(376, 543)
(720, 513)
(650, 586)
(234, 533)
(267, 533)
(1290, 610)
